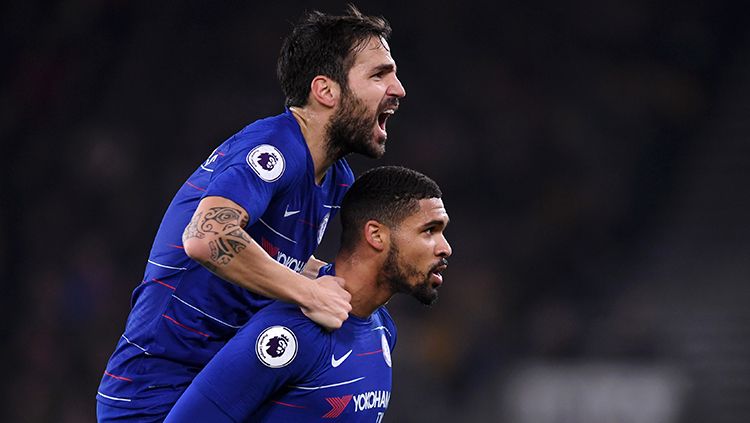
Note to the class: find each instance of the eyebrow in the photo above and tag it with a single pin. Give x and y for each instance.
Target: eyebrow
(384, 67)
(437, 222)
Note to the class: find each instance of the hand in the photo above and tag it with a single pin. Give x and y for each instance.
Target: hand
(328, 303)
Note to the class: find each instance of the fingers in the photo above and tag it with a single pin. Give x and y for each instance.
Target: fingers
(329, 305)
(327, 320)
(341, 283)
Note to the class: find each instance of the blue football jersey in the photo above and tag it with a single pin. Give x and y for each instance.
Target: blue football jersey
(182, 314)
(282, 367)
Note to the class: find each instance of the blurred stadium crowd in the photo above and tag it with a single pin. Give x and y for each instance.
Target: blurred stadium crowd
(594, 159)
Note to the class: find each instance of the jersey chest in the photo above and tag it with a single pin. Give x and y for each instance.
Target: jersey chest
(353, 383)
(294, 224)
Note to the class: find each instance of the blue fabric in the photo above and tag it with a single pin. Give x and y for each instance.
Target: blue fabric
(242, 382)
(106, 413)
(181, 313)
(202, 410)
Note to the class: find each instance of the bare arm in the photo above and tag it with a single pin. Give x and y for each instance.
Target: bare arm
(215, 238)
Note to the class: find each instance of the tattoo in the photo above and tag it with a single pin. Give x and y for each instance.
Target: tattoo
(226, 224)
(209, 266)
(219, 252)
(223, 216)
(192, 231)
(239, 233)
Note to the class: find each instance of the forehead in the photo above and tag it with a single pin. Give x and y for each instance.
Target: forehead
(431, 210)
(375, 52)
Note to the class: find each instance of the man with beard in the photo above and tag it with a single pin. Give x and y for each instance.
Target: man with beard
(245, 224)
(392, 242)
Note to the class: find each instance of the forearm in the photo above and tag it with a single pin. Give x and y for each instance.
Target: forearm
(253, 269)
(215, 239)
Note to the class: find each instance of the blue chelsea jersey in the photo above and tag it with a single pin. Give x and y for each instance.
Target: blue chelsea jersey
(282, 367)
(182, 314)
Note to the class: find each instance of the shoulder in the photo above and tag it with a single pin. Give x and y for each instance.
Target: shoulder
(281, 132)
(383, 320)
(343, 171)
(287, 314)
(285, 325)
(272, 148)
(382, 316)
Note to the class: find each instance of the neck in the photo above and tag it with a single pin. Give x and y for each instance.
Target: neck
(361, 282)
(312, 123)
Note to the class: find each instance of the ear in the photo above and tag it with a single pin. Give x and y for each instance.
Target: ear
(377, 235)
(325, 91)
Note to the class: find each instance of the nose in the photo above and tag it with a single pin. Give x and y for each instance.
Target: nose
(444, 248)
(396, 89)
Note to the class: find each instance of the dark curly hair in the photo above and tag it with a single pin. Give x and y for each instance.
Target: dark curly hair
(387, 194)
(322, 44)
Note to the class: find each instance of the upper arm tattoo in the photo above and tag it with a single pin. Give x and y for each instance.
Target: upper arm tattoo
(225, 225)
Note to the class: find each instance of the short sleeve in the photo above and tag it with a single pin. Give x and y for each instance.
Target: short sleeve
(255, 174)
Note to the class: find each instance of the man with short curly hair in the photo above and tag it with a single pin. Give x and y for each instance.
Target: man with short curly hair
(282, 367)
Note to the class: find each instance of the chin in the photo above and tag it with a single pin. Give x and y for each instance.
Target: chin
(379, 151)
(426, 295)
(430, 300)
(379, 140)
(376, 148)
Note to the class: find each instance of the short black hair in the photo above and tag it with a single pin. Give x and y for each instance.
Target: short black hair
(322, 44)
(387, 194)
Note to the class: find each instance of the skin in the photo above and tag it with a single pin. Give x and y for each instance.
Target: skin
(372, 81)
(215, 236)
(402, 259)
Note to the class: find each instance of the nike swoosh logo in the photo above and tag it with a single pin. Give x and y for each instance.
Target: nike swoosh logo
(336, 363)
(288, 213)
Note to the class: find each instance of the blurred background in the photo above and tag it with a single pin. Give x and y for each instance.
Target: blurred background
(594, 159)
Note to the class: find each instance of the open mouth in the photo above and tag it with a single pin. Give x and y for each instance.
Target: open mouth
(437, 275)
(383, 117)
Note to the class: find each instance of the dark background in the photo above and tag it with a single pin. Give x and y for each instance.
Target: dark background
(593, 156)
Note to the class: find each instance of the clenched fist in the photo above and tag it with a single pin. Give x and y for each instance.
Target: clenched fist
(328, 303)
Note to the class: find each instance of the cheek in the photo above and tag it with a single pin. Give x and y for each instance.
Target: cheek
(371, 94)
(371, 102)
(423, 255)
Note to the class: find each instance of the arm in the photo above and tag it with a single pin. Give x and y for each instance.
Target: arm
(215, 238)
(195, 406)
(243, 377)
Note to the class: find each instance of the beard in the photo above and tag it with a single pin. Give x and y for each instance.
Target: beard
(397, 275)
(351, 129)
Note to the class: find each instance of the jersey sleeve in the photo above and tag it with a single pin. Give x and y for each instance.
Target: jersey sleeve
(200, 409)
(255, 170)
(272, 351)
